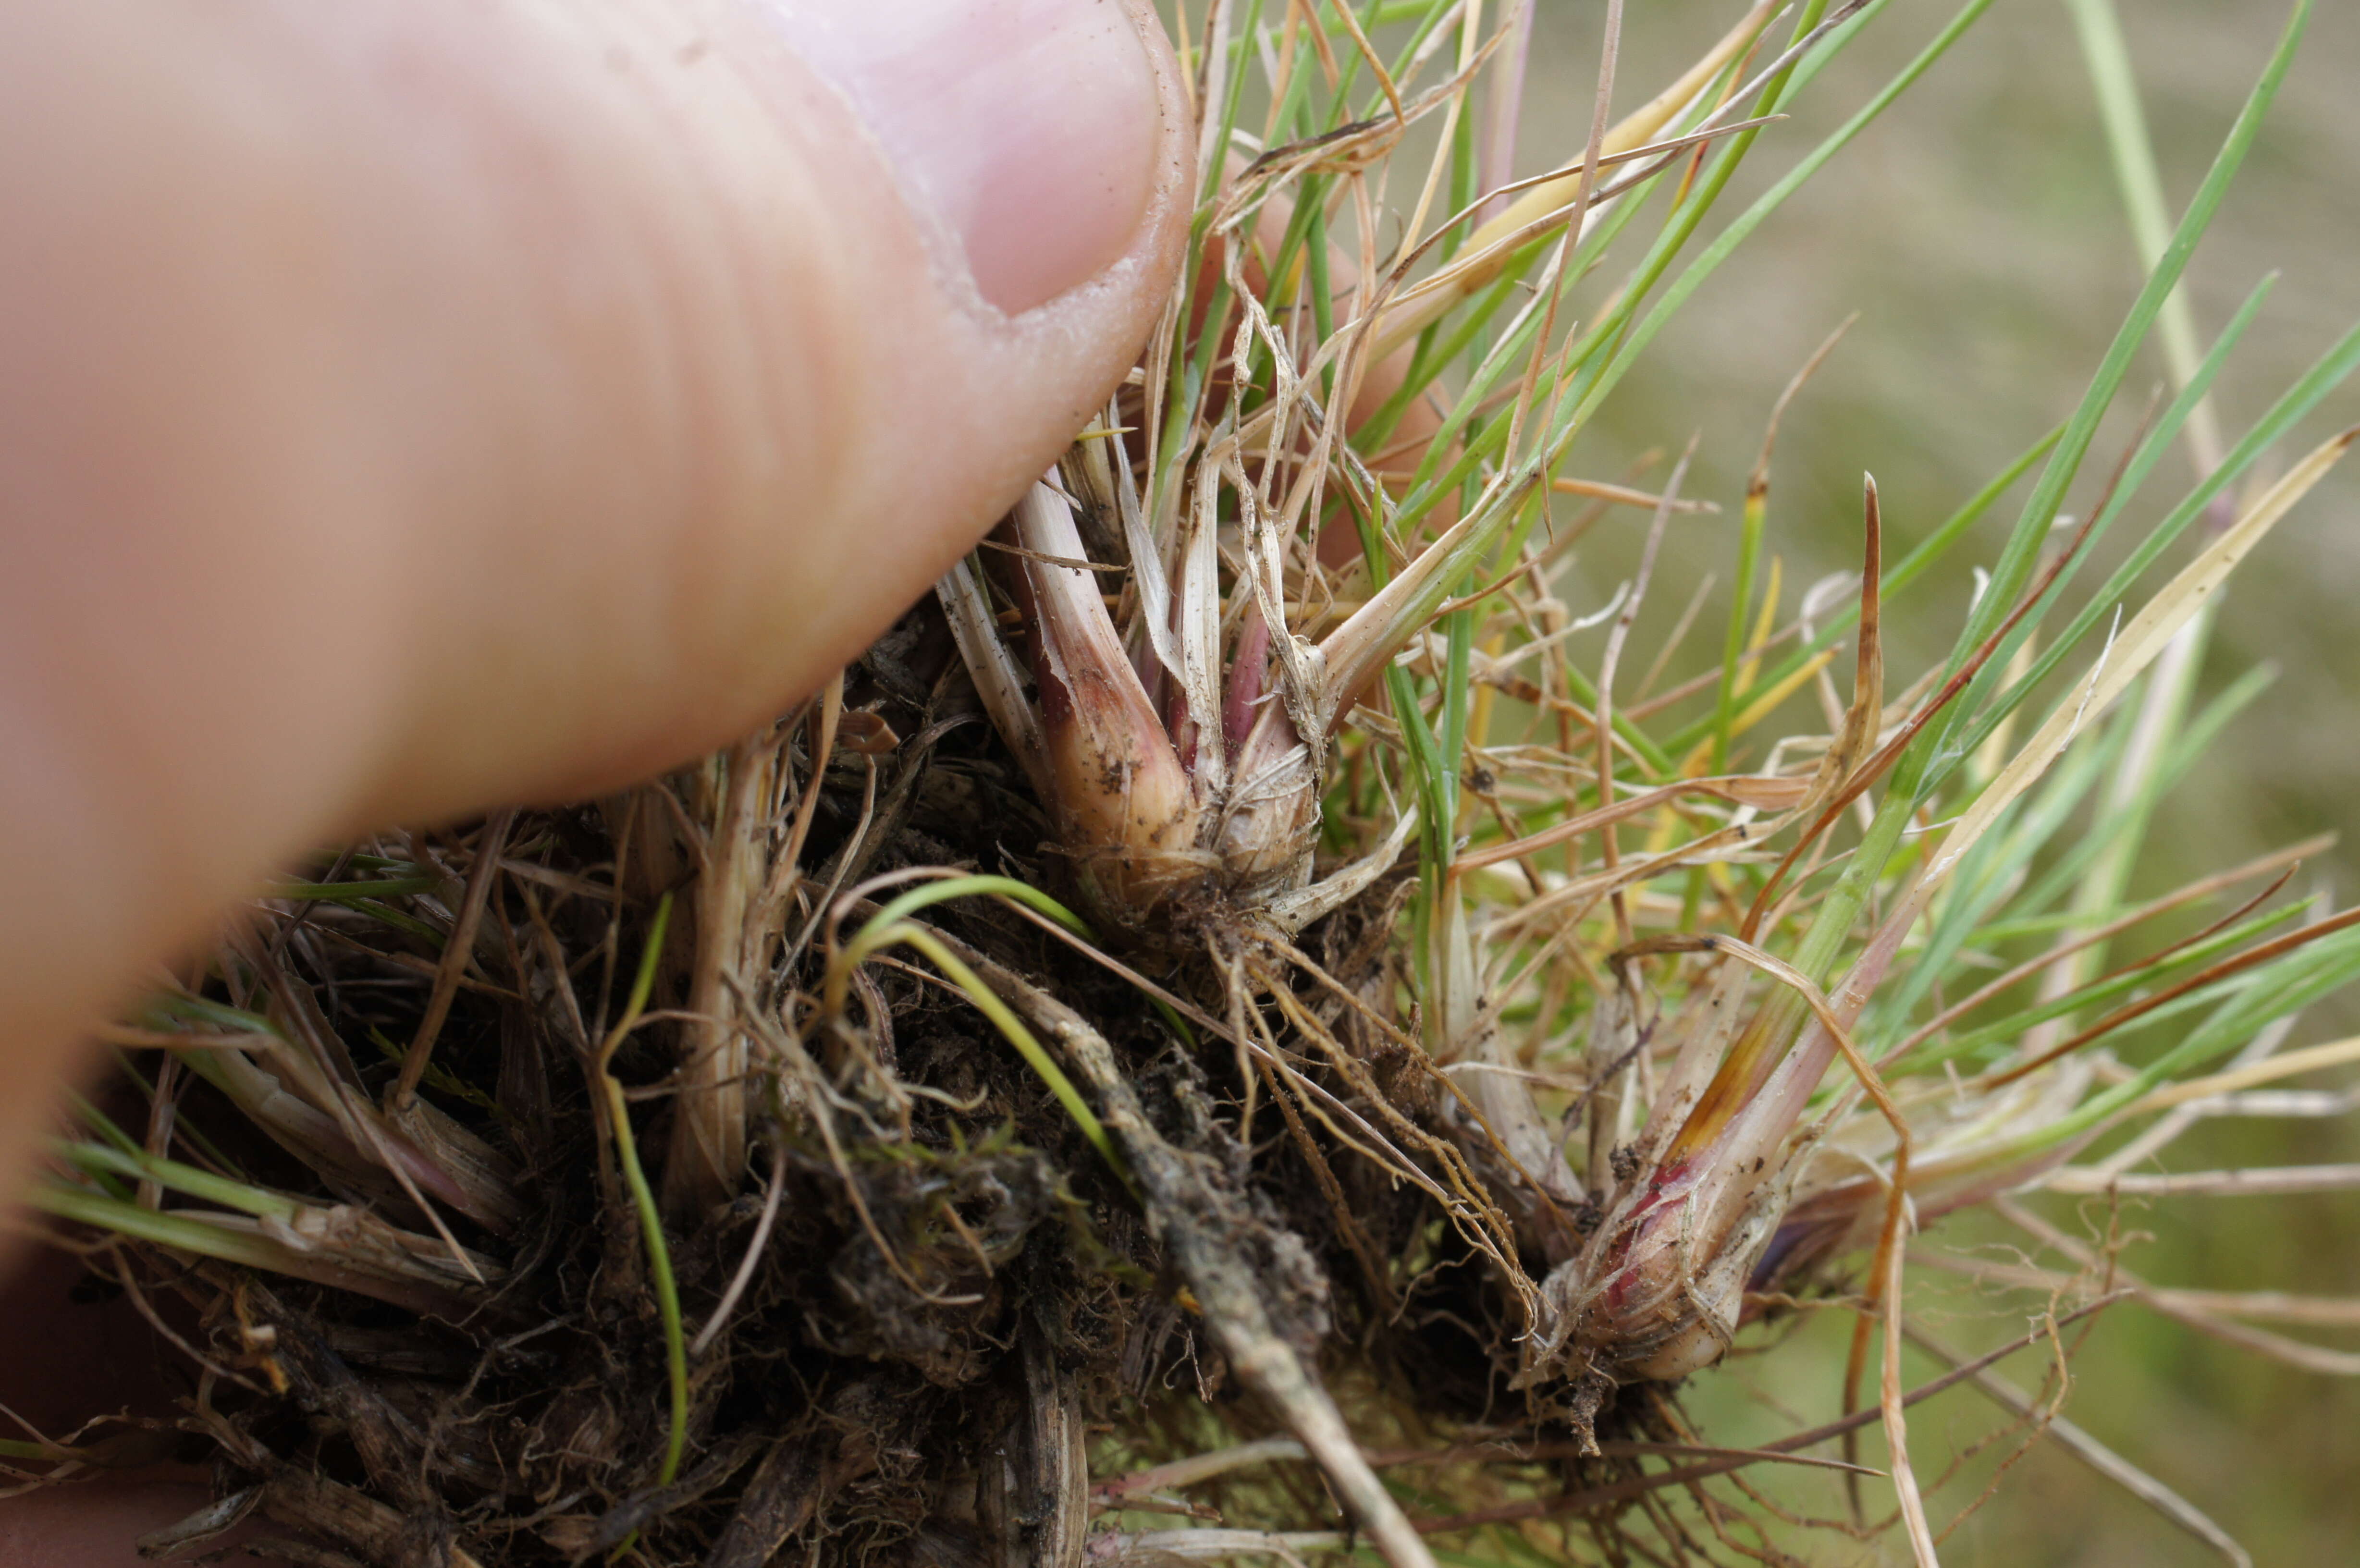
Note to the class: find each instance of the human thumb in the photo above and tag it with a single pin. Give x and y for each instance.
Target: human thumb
(408, 405)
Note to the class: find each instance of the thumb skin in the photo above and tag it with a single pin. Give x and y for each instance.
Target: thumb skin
(407, 404)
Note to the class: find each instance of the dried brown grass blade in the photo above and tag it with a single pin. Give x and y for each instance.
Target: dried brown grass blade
(706, 1158)
(457, 954)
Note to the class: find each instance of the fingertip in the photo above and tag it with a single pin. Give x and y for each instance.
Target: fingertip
(1022, 132)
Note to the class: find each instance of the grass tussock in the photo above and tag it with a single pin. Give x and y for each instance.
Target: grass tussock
(1248, 1027)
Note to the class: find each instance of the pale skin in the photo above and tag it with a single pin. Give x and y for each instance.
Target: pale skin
(407, 406)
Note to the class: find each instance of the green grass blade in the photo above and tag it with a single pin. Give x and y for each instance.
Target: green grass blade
(2018, 560)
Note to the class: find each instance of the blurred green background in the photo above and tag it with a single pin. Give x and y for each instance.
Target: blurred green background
(1978, 230)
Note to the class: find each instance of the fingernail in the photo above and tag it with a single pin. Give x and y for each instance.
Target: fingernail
(1025, 131)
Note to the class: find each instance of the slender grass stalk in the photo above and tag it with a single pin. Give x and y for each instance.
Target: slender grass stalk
(643, 1197)
(892, 927)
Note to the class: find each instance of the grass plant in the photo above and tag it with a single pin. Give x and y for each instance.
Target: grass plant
(1250, 1010)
